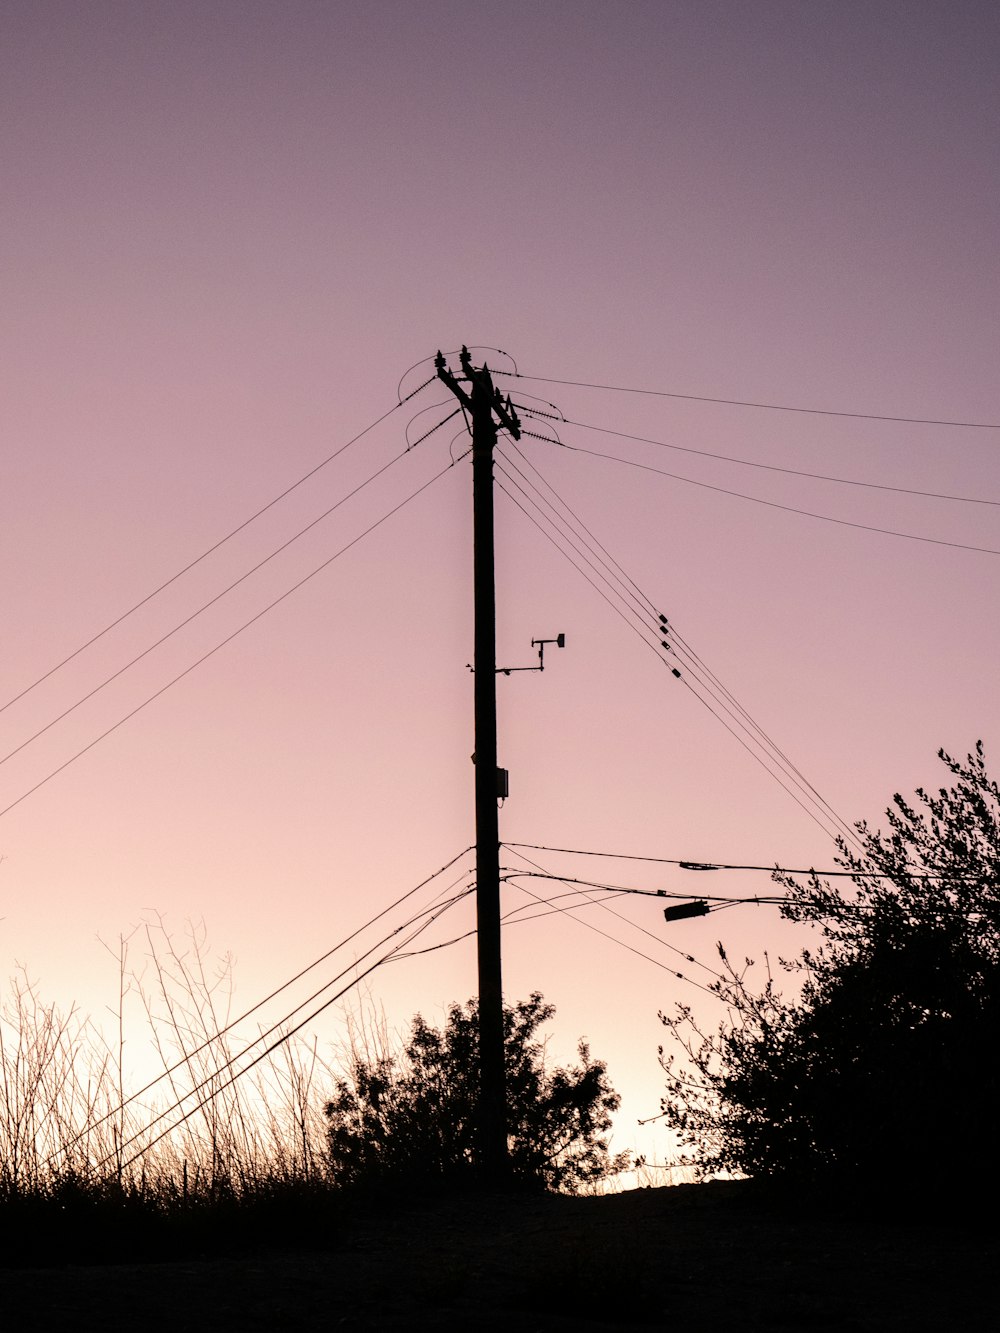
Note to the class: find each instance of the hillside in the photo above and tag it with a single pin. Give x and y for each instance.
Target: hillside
(692, 1258)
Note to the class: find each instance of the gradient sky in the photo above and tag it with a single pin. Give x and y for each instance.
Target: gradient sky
(230, 228)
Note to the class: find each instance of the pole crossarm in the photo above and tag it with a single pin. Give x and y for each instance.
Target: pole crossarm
(485, 394)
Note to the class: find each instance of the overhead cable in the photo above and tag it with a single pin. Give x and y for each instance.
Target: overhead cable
(725, 865)
(641, 626)
(788, 509)
(278, 990)
(228, 639)
(214, 547)
(284, 1035)
(741, 402)
(644, 604)
(616, 892)
(206, 605)
(621, 943)
(628, 616)
(768, 467)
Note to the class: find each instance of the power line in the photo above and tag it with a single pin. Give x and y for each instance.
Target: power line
(619, 603)
(767, 467)
(741, 402)
(431, 914)
(700, 669)
(629, 615)
(818, 821)
(628, 618)
(774, 504)
(228, 639)
(278, 990)
(729, 702)
(616, 891)
(420, 438)
(578, 897)
(509, 918)
(773, 900)
(211, 602)
(722, 902)
(724, 865)
(280, 1041)
(633, 592)
(582, 527)
(221, 542)
(621, 943)
(622, 592)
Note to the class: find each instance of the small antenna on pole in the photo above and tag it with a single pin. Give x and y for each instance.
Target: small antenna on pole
(559, 641)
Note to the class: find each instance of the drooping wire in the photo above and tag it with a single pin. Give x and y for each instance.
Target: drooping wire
(185, 1060)
(725, 697)
(606, 567)
(788, 509)
(545, 531)
(709, 681)
(509, 918)
(769, 407)
(767, 467)
(212, 549)
(575, 897)
(210, 603)
(641, 622)
(724, 865)
(614, 940)
(640, 626)
(432, 407)
(228, 639)
(630, 621)
(647, 601)
(616, 889)
(284, 1035)
(665, 895)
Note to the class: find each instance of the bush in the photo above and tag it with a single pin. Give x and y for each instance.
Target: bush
(410, 1118)
(883, 1069)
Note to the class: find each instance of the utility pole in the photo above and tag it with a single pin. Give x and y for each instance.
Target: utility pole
(483, 402)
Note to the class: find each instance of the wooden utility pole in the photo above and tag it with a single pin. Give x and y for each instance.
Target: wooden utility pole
(483, 402)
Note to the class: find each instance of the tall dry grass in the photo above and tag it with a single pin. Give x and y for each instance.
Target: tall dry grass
(76, 1119)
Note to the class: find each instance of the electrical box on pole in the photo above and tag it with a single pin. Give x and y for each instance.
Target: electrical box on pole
(487, 408)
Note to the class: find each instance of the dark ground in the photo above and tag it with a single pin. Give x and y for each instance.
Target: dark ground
(692, 1258)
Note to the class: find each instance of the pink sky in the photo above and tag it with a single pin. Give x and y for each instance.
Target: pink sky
(230, 229)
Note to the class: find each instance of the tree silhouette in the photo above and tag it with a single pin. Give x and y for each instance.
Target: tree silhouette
(409, 1118)
(883, 1067)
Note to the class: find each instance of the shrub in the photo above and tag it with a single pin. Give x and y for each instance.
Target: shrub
(410, 1117)
(883, 1068)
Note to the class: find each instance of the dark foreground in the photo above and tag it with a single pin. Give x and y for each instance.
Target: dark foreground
(691, 1258)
